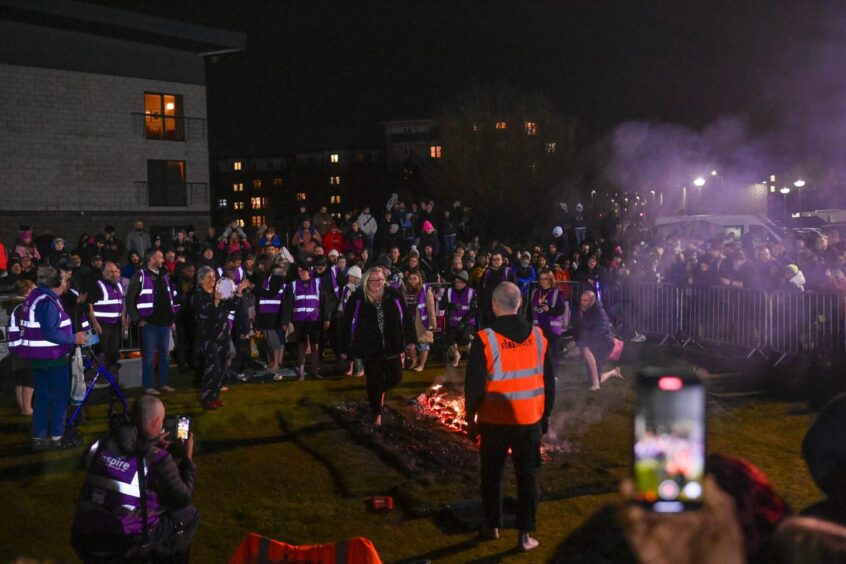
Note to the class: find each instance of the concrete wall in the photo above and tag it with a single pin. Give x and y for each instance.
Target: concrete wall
(71, 151)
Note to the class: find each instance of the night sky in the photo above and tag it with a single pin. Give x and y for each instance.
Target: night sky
(324, 74)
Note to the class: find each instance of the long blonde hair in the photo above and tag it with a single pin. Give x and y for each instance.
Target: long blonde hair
(365, 280)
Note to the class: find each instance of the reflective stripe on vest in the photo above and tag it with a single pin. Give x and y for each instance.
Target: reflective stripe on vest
(274, 304)
(552, 323)
(146, 299)
(514, 389)
(462, 303)
(109, 309)
(13, 334)
(33, 344)
(306, 305)
(421, 305)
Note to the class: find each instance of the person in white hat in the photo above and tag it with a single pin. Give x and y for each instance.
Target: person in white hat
(354, 366)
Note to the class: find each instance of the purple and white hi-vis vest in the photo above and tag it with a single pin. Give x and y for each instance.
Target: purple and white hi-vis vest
(84, 325)
(34, 346)
(112, 484)
(110, 307)
(236, 275)
(272, 304)
(505, 271)
(549, 323)
(13, 330)
(333, 274)
(145, 301)
(421, 305)
(461, 300)
(306, 300)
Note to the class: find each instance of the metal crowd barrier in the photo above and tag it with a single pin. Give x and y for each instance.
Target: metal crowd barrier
(723, 315)
(807, 323)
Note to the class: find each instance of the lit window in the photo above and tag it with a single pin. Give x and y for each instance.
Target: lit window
(475, 126)
(334, 180)
(277, 181)
(549, 148)
(237, 165)
(435, 151)
(336, 199)
(772, 178)
(238, 187)
(163, 116)
(240, 222)
(333, 158)
(533, 166)
(257, 203)
(238, 205)
(772, 189)
(257, 183)
(222, 203)
(531, 128)
(501, 125)
(257, 220)
(301, 196)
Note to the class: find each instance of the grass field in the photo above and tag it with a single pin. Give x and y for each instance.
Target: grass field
(275, 461)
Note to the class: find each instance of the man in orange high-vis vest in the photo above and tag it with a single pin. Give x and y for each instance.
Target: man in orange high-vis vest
(509, 391)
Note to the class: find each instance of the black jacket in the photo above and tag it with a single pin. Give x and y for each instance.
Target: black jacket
(593, 330)
(367, 341)
(515, 328)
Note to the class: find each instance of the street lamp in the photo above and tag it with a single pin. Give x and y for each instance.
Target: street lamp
(699, 182)
(713, 173)
(784, 192)
(799, 185)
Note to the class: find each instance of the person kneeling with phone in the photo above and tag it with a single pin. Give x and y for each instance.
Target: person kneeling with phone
(135, 503)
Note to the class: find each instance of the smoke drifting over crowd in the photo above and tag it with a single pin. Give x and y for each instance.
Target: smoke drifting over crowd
(798, 130)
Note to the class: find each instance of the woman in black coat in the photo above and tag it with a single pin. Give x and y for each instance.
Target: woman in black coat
(373, 327)
(593, 337)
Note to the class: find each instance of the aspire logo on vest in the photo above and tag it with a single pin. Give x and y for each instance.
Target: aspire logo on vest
(509, 344)
(115, 462)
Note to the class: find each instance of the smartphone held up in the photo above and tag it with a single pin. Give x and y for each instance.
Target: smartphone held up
(668, 458)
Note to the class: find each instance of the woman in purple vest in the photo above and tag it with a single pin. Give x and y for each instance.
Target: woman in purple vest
(547, 309)
(21, 370)
(459, 302)
(307, 306)
(270, 295)
(420, 319)
(47, 340)
(373, 327)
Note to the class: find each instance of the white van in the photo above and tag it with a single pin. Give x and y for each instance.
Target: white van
(728, 226)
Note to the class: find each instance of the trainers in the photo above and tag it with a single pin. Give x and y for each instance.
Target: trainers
(638, 337)
(525, 542)
(40, 445)
(167, 388)
(488, 533)
(152, 392)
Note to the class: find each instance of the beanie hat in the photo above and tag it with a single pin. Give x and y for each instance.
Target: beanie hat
(427, 226)
(557, 231)
(354, 270)
(793, 268)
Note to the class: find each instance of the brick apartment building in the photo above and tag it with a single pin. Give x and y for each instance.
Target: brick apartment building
(103, 115)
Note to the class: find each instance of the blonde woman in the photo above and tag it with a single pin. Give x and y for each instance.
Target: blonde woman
(373, 327)
(420, 323)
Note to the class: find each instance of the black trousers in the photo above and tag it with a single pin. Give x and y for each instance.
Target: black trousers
(110, 341)
(169, 541)
(214, 364)
(382, 375)
(524, 442)
(184, 343)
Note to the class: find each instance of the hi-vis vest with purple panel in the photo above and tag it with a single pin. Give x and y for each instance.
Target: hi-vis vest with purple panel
(421, 305)
(13, 331)
(306, 300)
(550, 323)
(146, 299)
(82, 317)
(236, 275)
(110, 307)
(110, 502)
(271, 304)
(461, 300)
(34, 346)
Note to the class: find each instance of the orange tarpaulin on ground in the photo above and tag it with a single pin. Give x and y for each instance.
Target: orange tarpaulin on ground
(257, 549)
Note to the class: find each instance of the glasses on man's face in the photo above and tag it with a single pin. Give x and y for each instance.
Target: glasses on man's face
(375, 280)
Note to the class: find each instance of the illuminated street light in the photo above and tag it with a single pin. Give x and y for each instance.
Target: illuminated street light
(592, 194)
(713, 173)
(699, 182)
(784, 192)
(799, 185)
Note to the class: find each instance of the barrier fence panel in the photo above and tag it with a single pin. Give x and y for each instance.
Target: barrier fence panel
(651, 309)
(723, 315)
(807, 323)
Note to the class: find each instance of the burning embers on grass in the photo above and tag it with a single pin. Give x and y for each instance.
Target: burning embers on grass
(445, 405)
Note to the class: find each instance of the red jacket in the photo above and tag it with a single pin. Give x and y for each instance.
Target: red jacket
(333, 241)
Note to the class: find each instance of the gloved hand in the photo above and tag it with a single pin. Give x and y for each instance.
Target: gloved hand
(544, 425)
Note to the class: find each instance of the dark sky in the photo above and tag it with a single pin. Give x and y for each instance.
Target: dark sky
(324, 74)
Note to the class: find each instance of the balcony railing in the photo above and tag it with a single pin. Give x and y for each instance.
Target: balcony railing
(168, 128)
(158, 194)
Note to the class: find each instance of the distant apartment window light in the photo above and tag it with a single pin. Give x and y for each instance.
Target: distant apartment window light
(240, 222)
(502, 125)
(163, 116)
(238, 205)
(336, 199)
(222, 203)
(550, 148)
(475, 126)
(237, 165)
(257, 183)
(531, 128)
(333, 158)
(257, 203)
(257, 220)
(238, 187)
(277, 181)
(435, 151)
(301, 196)
(334, 180)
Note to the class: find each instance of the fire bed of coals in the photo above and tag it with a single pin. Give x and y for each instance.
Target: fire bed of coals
(446, 406)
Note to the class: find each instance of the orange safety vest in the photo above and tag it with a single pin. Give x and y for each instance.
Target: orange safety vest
(514, 390)
(257, 549)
